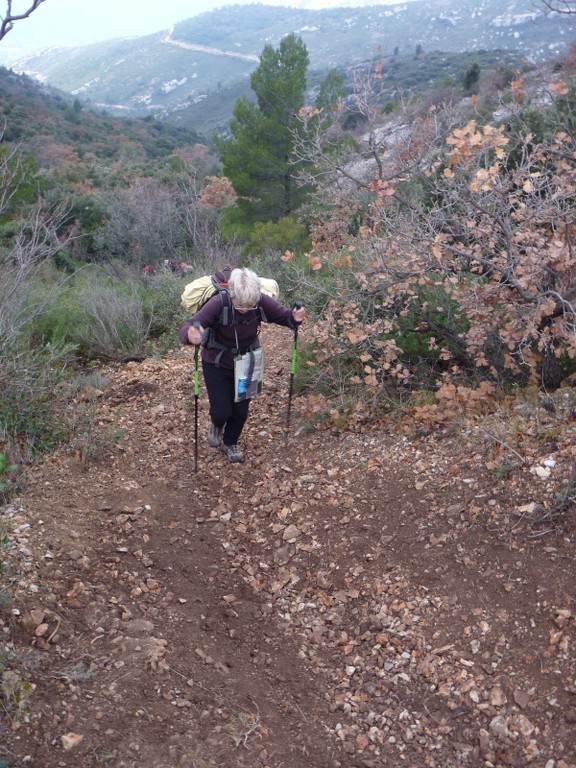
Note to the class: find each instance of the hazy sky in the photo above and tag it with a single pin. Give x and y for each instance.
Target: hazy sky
(79, 22)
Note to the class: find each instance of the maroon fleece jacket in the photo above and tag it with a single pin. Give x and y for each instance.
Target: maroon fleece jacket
(243, 330)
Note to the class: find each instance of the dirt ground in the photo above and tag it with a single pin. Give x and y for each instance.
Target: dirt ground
(371, 598)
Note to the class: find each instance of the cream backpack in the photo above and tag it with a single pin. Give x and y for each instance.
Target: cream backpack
(197, 293)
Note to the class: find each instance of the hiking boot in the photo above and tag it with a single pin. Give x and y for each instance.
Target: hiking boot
(214, 436)
(233, 452)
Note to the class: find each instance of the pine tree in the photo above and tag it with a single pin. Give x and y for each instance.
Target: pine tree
(471, 78)
(258, 157)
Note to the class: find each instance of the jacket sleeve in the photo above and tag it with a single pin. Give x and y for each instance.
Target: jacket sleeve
(207, 316)
(276, 312)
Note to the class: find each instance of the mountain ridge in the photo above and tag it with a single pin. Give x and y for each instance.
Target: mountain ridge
(204, 58)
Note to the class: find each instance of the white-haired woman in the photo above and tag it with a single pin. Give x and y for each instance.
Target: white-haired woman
(225, 340)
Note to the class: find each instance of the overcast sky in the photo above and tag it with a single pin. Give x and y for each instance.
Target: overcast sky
(79, 22)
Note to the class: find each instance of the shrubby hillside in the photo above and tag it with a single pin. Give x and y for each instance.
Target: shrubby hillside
(84, 196)
(417, 225)
(31, 112)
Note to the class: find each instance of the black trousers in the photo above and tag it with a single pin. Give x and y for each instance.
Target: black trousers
(224, 412)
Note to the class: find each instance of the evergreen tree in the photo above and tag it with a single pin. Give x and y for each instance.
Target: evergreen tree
(258, 157)
(332, 90)
(471, 78)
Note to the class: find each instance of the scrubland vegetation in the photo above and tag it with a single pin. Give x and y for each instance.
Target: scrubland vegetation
(430, 236)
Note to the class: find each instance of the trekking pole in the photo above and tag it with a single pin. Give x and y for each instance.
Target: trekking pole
(297, 305)
(196, 348)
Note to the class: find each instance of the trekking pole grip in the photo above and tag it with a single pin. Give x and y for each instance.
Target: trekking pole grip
(297, 305)
(196, 325)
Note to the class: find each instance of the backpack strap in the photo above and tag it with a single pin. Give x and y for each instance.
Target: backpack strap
(226, 313)
(208, 338)
(210, 342)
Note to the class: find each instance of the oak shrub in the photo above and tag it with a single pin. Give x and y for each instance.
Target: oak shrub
(457, 277)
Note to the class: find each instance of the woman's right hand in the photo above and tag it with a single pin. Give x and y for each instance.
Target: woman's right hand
(195, 334)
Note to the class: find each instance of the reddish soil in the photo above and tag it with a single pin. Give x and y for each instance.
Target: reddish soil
(376, 598)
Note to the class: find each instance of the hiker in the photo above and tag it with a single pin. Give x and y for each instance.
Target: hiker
(222, 343)
(148, 272)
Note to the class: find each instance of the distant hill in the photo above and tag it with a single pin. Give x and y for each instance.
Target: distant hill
(192, 74)
(55, 126)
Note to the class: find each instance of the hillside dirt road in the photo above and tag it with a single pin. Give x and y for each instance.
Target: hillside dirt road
(169, 40)
(378, 598)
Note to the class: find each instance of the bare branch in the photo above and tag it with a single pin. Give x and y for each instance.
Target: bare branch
(7, 21)
(560, 6)
(35, 244)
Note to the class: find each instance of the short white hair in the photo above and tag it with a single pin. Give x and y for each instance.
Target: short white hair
(244, 287)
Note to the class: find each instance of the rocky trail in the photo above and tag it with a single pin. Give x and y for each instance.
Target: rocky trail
(378, 598)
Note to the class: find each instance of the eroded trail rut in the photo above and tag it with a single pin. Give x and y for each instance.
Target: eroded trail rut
(334, 601)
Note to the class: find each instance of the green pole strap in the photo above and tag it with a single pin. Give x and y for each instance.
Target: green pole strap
(294, 353)
(297, 305)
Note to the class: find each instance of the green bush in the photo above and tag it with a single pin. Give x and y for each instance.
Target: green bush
(287, 234)
(110, 313)
(29, 380)
(115, 325)
(430, 321)
(161, 303)
(60, 321)
(6, 478)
